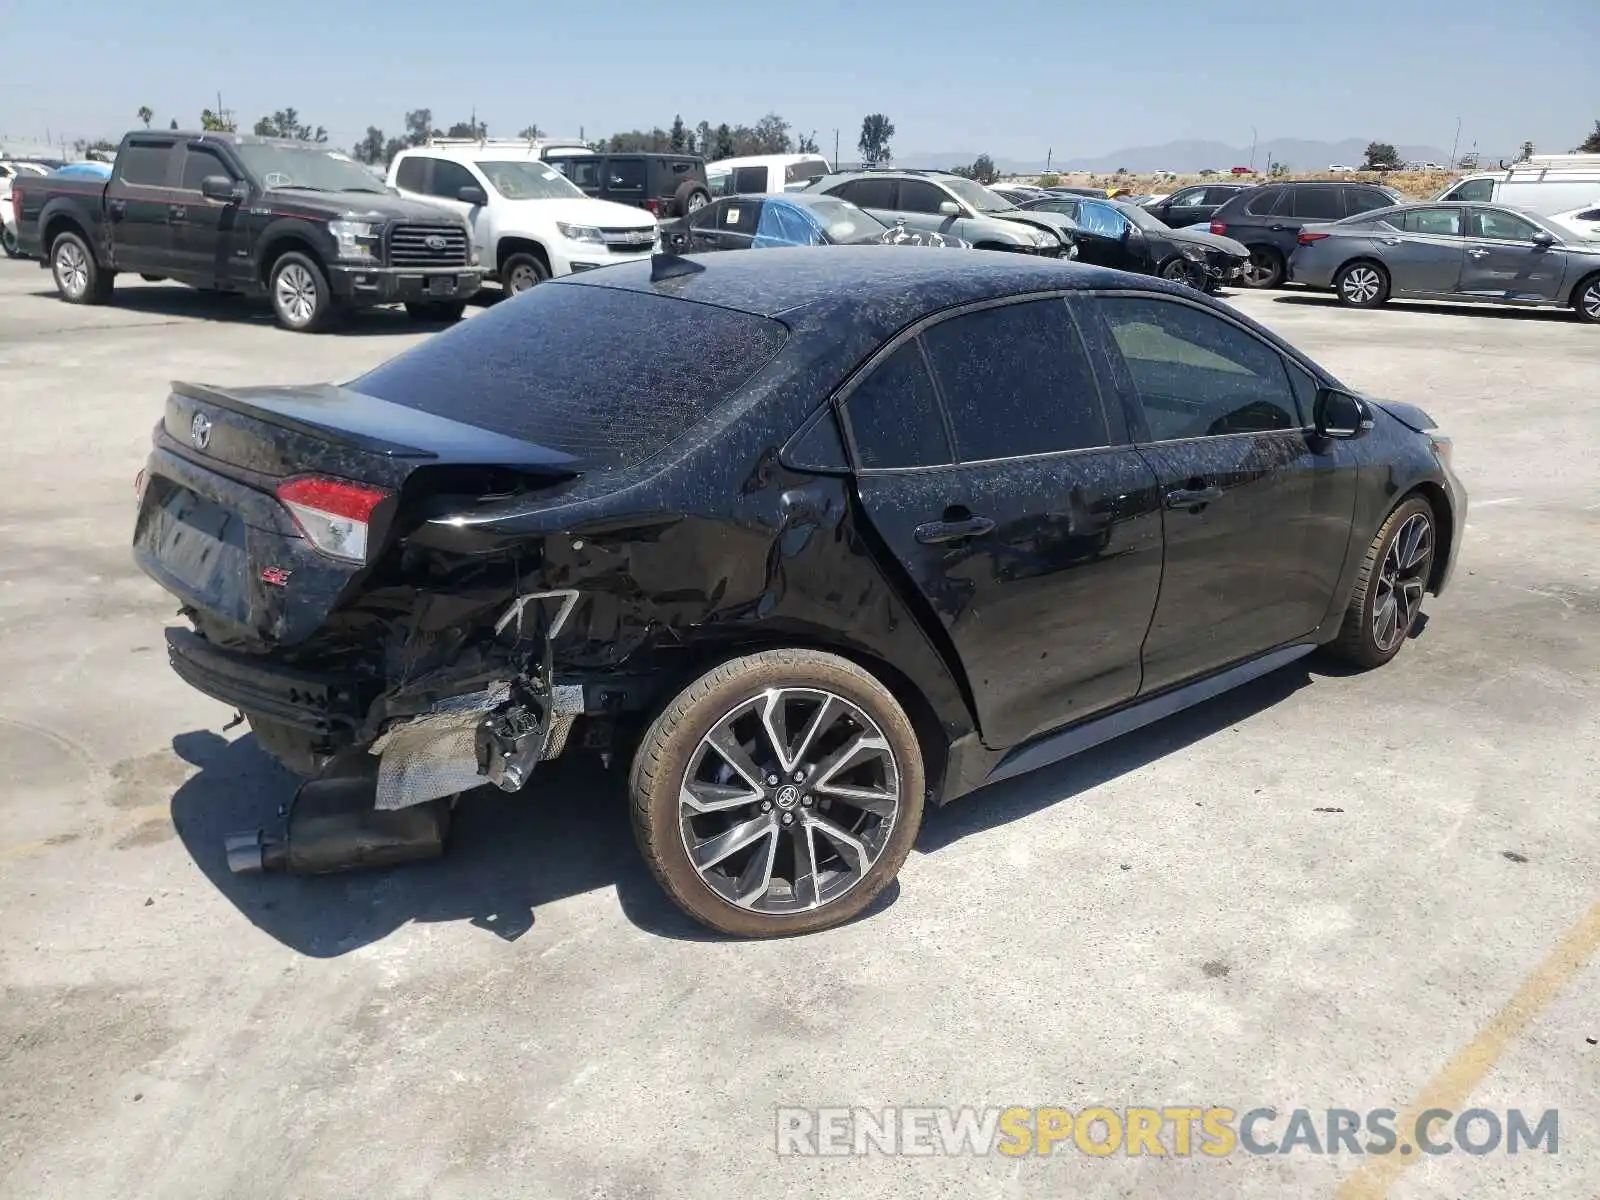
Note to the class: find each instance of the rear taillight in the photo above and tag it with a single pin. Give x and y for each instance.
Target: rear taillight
(1218, 229)
(332, 513)
(1305, 239)
(653, 207)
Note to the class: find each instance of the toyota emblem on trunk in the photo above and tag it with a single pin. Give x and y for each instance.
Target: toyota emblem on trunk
(434, 242)
(200, 431)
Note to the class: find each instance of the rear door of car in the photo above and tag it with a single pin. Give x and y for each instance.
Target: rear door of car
(1257, 508)
(1007, 493)
(917, 203)
(1503, 262)
(732, 224)
(873, 193)
(1309, 204)
(208, 240)
(143, 204)
(1186, 208)
(1423, 249)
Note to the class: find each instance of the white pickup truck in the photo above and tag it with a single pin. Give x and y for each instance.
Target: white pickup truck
(529, 222)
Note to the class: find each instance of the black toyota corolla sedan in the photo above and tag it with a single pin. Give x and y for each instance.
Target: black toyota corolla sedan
(803, 541)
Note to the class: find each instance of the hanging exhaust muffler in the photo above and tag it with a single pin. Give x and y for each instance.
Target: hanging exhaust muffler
(332, 825)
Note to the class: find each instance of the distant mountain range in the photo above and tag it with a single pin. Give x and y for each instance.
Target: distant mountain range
(1187, 157)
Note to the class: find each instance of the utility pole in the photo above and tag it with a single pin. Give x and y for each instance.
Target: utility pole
(1048, 155)
(1252, 148)
(1455, 145)
(835, 149)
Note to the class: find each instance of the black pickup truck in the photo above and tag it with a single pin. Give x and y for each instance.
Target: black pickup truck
(308, 228)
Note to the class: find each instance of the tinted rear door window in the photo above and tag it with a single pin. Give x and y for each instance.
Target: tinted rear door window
(1016, 381)
(894, 415)
(625, 175)
(1266, 202)
(868, 193)
(1317, 204)
(144, 165)
(545, 368)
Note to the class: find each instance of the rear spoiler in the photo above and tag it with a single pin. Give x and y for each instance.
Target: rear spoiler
(287, 407)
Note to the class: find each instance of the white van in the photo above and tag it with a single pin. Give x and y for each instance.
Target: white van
(1546, 184)
(758, 173)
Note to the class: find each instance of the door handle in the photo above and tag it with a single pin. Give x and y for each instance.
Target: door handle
(1477, 253)
(1193, 497)
(951, 531)
(1390, 241)
(117, 207)
(1279, 228)
(177, 212)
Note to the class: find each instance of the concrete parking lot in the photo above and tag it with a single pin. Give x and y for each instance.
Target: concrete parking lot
(1325, 890)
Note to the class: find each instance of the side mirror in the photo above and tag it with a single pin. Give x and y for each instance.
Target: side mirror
(1340, 415)
(949, 208)
(220, 187)
(472, 195)
(1543, 240)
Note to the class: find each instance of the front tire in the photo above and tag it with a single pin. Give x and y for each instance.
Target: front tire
(778, 794)
(79, 279)
(522, 273)
(1389, 587)
(1362, 285)
(302, 301)
(1181, 270)
(1265, 268)
(9, 243)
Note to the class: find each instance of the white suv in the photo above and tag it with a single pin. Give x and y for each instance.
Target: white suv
(528, 221)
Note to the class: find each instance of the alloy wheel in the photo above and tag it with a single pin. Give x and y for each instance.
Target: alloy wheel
(72, 269)
(1361, 285)
(1591, 301)
(1261, 270)
(296, 294)
(1401, 580)
(696, 202)
(789, 800)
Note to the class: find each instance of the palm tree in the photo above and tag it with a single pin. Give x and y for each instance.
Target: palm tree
(146, 113)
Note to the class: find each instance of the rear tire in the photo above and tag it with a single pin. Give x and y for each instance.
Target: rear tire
(441, 311)
(1362, 285)
(1389, 587)
(9, 243)
(79, 279)
(807, 816)
(302, 301)
(1265, 268)
(1586, 300)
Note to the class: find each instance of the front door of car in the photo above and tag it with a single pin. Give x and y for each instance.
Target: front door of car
(1102, 235)
(1257, 508)
(918, 203)
(1422, 249)
(875, 194)
(1504, 262)
(1008, 496)
(1186, 208)
(211, 243)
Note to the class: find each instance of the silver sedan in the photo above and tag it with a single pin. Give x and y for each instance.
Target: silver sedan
(1482, 253)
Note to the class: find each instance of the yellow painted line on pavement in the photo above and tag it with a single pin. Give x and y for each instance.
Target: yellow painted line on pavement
(1453, 1085)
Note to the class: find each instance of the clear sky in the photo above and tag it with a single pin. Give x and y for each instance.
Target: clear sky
(1082, 76)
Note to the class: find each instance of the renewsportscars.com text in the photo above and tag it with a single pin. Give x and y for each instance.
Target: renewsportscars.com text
(1176, 1130)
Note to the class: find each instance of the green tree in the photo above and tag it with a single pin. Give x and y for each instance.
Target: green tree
(1590, 144)
(370, 148)
(724, 141)
(217, 122)
(146, 114)
(982, 169)
(877, 131)
(771, 135)
(468, 129)
(1381, 156)
(532, 132)
(286, 123)
(174, 124)
(807, 143)
(419, 126)
(680, 135)
(1049, 180)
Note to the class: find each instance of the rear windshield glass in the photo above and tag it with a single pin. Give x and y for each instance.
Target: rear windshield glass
(609, 377)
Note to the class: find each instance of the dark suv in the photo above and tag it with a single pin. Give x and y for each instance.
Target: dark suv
(668, 185)
(1267, 219)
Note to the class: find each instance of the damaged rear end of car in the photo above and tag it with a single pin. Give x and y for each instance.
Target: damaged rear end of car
(384, 569)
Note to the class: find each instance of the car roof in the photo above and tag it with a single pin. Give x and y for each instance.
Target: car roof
(765, 160)
(784, 280)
